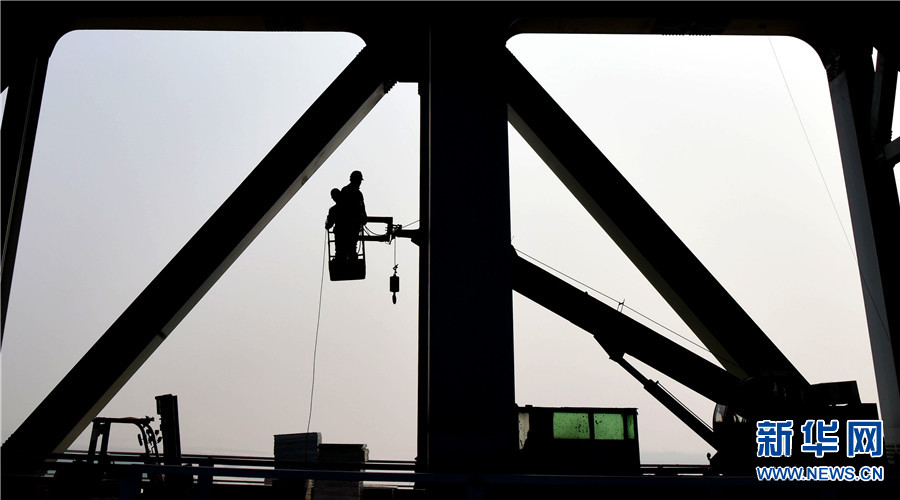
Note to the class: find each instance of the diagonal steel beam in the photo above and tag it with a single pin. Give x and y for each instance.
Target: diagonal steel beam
(692, 291)
(133, 337)
(618, 334)
(20, 120)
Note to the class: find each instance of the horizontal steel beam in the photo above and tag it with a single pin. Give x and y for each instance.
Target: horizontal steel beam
(682, 280)
(870, 19)
(618, 334)
(133, 337)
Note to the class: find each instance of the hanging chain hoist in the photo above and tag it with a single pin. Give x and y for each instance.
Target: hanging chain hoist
(395, 280)
(354, 267)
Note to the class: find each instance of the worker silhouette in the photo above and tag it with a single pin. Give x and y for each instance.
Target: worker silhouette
(351, 215)
(333, 212)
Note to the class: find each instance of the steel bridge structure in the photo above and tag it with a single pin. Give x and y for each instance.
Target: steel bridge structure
(471, 87)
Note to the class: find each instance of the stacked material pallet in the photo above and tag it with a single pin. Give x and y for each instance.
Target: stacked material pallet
(298, 448)
(344, 454)
(351, 457)
(295, 451)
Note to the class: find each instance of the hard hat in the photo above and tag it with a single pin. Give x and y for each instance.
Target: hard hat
(356, 175)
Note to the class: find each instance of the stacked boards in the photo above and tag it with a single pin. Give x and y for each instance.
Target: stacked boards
(306, 451)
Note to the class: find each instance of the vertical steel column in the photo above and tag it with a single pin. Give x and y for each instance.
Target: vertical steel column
(422, 417)
(169, 425)
(20, 119)
(167, 408)
(471, 382)
(875, 213)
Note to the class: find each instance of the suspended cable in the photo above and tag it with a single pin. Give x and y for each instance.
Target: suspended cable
(828, 191)
(567, 276)
(373, 233)
(811, 149)
(619, 303)
(312, 388)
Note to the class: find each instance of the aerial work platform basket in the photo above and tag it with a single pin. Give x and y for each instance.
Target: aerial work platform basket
(352, 264)
(345, 269)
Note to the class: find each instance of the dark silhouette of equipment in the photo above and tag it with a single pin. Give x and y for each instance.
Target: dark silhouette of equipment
(741, 401)
(96, 476)
(394, 285)
(354, 267)
(147, 437)
(167, 408)
(578, 440)
(99, 474)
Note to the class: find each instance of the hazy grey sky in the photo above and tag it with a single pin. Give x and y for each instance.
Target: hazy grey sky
(144, 134)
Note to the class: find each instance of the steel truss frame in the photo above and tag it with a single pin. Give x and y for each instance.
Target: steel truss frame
(422, 43)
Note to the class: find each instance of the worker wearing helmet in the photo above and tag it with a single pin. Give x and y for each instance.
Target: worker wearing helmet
(352, 217)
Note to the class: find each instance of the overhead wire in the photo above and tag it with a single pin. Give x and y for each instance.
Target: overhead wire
(862, 278)
(312, 389)
(811, 149)
(618, 302)
(620, 305)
